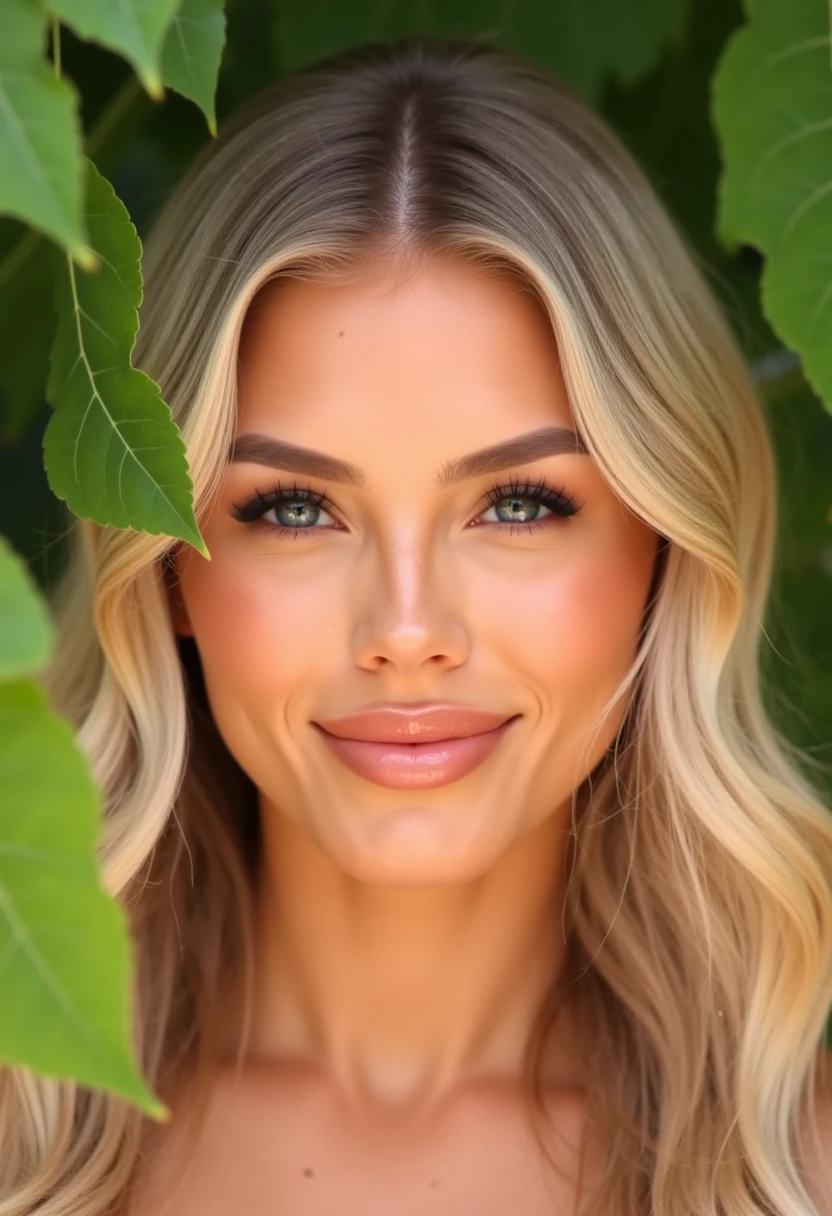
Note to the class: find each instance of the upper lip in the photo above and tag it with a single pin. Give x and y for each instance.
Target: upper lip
(414, 724)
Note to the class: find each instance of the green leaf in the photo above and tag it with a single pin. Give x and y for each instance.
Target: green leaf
(25, 625)
(65, 968)
(133, 28)
(41, 169)
(112, 449)
(580, 40)
(772, 107)
(192, 53)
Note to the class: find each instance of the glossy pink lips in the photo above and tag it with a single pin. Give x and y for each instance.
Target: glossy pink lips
(372, 744)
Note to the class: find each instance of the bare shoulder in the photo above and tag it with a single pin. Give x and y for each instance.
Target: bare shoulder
(818, 1151)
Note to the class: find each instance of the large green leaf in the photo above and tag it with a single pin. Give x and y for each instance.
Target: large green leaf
(112, 449)
(41, 167)
(772, 106)
(666, 124)
(192, 53)
(27, 320)
(133, 28)
(580, 40)
(65, 970)
(25, 627)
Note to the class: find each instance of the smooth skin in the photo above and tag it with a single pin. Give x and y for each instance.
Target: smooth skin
(405, 938)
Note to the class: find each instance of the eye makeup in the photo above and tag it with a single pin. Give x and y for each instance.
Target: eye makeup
(555, 500)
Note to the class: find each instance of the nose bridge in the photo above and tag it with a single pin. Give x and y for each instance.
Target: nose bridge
(410, 606)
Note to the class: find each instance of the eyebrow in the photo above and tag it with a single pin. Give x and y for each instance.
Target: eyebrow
(256, 448)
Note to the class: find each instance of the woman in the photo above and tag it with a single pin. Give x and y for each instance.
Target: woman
(465, 868)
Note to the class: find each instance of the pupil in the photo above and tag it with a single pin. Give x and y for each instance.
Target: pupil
(517, 506)
(296, 510)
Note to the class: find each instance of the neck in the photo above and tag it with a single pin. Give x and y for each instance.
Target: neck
(402, 996)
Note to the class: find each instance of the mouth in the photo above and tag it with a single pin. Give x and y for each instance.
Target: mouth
(409, 766)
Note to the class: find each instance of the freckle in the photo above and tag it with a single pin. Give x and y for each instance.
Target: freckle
(340, 333)
(308, 1173)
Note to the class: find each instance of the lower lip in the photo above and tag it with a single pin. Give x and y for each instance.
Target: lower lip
(409, 766)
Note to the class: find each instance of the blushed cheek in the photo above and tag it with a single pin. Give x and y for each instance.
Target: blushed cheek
(576, 631)
(254, 636)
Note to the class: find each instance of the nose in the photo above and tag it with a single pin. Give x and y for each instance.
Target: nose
(410, 611)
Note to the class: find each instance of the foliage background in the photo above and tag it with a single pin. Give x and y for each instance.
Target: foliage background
(663, 55)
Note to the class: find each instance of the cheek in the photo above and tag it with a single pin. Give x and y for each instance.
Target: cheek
(254, 631)
(576, 627)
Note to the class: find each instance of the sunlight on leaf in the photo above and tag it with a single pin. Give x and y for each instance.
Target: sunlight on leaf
(25, 627)
(64, 961)
(112, 449)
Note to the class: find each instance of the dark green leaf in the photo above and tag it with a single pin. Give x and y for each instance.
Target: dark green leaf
(133, 28)
(41, 167)
(27, 328)
(773, 111)
(25, 625)
(64, 949)
(580, 40)
(112, 449)
(192, 53)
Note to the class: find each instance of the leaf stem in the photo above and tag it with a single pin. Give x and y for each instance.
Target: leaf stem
(18, 255)
(56, 46)
(114, 111)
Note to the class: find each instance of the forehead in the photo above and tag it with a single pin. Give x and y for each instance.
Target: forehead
(448, 342)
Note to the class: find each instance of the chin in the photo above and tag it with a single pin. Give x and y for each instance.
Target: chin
(418, 849)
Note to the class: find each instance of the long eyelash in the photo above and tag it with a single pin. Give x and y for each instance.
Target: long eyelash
(263, 502)
(541, 491)
(555, 499)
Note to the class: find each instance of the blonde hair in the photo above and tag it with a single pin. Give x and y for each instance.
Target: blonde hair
(699, 909)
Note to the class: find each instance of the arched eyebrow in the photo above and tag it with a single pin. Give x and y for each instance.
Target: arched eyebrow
(275, 453)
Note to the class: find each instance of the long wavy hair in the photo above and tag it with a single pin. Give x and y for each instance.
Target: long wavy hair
(698, 916)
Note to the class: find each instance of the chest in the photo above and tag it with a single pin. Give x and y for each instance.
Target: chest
(302, 1159)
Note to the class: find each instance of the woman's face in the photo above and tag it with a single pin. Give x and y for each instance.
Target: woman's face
(418, 579)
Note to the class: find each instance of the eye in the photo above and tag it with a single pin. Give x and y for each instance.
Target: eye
(298, 510)
(520, 502)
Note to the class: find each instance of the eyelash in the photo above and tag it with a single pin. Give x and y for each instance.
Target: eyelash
(556, 500)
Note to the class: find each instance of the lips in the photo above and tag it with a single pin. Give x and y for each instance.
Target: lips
(378, 744)
(413, 724)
